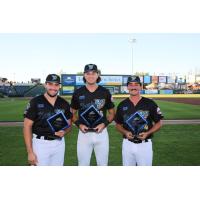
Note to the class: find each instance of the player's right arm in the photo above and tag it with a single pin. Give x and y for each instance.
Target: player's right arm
(119, 124)
(75, 120)
(74, 110)
(124, 132)
(32, 159)
(29, 117)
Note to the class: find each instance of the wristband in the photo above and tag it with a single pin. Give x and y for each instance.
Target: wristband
(106, 122)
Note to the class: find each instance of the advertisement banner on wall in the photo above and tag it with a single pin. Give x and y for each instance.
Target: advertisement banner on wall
(111, 80)
(171, 79)
(154, 79)
(68, 80)
(181, 79)
(147, 79)
(67, 89)
(105, 80)
(124, 90)
(162, 79)
(151, 91)
(79, 80)
(166, 91)
(124, 80)
(141, 79)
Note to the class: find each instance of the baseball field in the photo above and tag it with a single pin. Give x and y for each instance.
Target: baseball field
(174, 145)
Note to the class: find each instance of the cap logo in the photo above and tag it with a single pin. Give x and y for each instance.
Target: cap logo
(133, 78)
(90, 67)
(54, 77)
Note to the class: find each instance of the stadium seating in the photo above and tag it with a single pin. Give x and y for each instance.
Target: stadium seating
(35, 91)
(20, 90)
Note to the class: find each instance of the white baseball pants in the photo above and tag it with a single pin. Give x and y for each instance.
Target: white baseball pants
(89, 141)
(49, 152)
(137, 154)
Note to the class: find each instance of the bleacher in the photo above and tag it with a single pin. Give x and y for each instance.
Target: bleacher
(3, 89)
(35, 91)
(22, 89)
(8, 90)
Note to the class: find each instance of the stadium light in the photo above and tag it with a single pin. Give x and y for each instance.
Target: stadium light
(132, 41)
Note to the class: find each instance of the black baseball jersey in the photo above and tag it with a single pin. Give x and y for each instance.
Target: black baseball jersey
(101, 99)
(39, 110)
(147, 108)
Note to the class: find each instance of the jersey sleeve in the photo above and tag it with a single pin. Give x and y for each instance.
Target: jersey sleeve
(74, 102)
(31, 110)
(109, 101)
(119, 117)
(156, 114)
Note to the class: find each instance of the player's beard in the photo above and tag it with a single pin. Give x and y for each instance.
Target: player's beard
(52, 95)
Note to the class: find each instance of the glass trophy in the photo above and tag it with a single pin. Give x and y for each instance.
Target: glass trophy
(136, 123)
(91, 117)
(58, 122)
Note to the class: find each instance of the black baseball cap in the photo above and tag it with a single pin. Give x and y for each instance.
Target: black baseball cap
(90, 67)
(53, 78)
(133, 79)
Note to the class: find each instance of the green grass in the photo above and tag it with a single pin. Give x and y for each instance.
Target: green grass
(173, 110)
(173, 145)
(12, 109)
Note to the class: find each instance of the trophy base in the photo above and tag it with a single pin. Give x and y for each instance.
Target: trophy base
(91, 130)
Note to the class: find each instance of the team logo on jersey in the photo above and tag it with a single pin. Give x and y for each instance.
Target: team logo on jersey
(81, 97)
(125, 108)
(99, 103)
(59, 110)
(40, 105)
(146, 127)
(144, 113)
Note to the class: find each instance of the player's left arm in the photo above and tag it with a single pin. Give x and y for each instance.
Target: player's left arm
(109, 118)
(62, 133)
(68, 115)
(109, 105)
(156, 116)
(156, 127)
(111, 115)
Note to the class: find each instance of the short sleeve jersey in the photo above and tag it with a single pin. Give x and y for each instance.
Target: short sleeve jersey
(39, 110)
(101, 99)
(146, 107)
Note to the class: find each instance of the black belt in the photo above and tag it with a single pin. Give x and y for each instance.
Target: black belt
(46, 137)
(138, 141)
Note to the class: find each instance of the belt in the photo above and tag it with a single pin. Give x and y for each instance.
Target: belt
(44, 137)
(139, 141)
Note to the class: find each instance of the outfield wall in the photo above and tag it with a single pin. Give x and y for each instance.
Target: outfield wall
(117, 84)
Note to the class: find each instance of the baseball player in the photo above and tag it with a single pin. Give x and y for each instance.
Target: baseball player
(43, 146)
(89, 97)
(137, 150)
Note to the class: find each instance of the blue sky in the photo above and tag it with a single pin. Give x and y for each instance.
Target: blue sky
(25, 56)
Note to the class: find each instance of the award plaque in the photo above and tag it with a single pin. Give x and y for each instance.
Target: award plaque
(136, 123)
(91, 117)
(58, 122)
